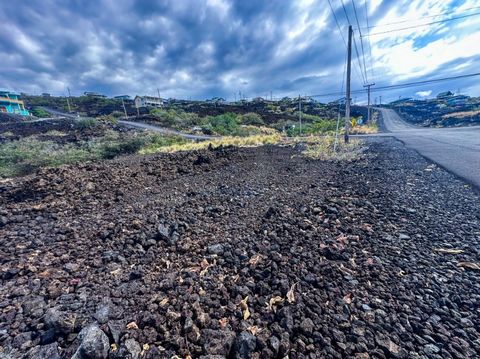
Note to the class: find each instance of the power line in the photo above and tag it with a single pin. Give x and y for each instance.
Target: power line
(361, 41)
(345, 11)
(369, 42)
(340, 29)
(336, 21)
(358, 58)
(404, 85)
(430, 23)
(421, 18)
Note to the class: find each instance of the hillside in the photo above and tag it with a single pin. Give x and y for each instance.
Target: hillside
(443, 112)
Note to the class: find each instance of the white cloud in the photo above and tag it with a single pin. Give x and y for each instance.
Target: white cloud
(423, 93)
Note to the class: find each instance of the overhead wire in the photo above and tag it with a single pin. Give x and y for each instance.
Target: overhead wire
(403, 85)
(369, 42)
(340, 104)
(421, 18)
(358, 58)
(361, 41)
(421, 25)
(341, 33)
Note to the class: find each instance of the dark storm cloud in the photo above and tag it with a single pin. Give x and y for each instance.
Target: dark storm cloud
(196, 48)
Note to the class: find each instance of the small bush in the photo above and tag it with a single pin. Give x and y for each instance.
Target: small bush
(86, 123)
(117, 114)
(251, 118)
(324, 148)
(108, 118)
(39, 112)
(225, 124)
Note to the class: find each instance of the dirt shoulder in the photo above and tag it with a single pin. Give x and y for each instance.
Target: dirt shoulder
(246, 253)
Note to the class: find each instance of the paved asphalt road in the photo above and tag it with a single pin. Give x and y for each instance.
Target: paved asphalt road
(165, 130)
(456, 149)
(142, 125)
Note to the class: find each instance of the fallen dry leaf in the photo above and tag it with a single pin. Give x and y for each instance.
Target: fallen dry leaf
(448, 251)
(469, 265)
(367, 227)
(145, 348)
(116, 271)
(342, 238)
(164, 302)
(255, 259)
(348, 298)
(244, 306)
(253, 329)
(205, 265)
(132, 325)
(113, 347)
(274, 302)
(291, 293)
(246, 314)
(223, 322)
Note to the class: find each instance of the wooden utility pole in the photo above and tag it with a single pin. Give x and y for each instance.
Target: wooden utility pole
(124, 109)
(68, 103)
(349, 71)
(69, 99)
(300, 113)
(368, 106)
(159, 98)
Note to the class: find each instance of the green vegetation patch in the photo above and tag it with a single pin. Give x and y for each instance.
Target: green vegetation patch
(39, 112)
(26, 155)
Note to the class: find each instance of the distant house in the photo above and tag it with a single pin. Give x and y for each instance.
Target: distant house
(401, 101)
(45, 94)
(444, 95)
(340, 101)
(258, 100)
(10, 103)
(148, 101)
(93, 94)
(458, 100)
(123, 97)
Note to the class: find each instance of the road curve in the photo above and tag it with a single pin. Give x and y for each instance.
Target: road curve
(456, 149)
(166, 131)
(141, 125)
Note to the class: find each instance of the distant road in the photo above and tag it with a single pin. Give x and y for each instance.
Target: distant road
(166, 131)
(456, 149)
(141, 125)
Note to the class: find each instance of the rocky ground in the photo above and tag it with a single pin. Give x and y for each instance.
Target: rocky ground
(241, 253)
(59, 131)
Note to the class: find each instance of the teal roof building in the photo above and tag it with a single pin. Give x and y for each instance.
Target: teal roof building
(10, 103)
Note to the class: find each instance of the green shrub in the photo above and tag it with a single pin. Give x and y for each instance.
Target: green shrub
(117, 114)
(225, 124)
(26, 155)
(252, 118)
(85, 123)
(39, 112)
(108, 118)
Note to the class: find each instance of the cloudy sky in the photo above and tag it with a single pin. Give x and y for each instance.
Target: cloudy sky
(203, 48)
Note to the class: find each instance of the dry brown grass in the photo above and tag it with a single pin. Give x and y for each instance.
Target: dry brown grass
(324, 149)
(462, 114)
(249, 141)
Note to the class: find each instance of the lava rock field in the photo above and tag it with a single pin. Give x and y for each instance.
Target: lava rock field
(241, 253)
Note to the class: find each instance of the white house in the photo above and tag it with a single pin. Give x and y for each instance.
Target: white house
(148, 101)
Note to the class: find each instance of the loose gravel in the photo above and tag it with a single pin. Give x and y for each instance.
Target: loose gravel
(241, 253)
